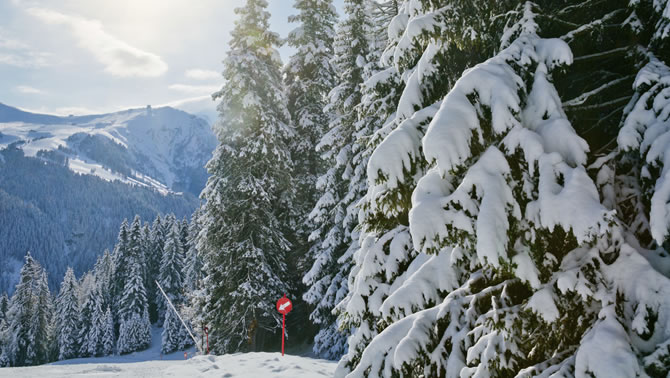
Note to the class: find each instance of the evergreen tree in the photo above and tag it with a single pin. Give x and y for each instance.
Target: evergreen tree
(41, 320)
(135, 328)
(193, 259)
(633, 178)
(66, 317)
(121, 259)
(175, 336)
(4, 306)
(92, 331)
(4, 334)
(27, 331)
(334, 216)
(146, 245)
(171, 280)
(104, 277)
(136, 243)
(154, 256)
(168, 222)
(108, 339)
(85, 322)
(134, 333)
(500, 259)
(309, 76)
(249, 191)
(184, 234)
(172, 266)
(4, 343)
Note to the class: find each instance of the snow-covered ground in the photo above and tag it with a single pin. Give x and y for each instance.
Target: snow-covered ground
(150, 363)
(262, 365)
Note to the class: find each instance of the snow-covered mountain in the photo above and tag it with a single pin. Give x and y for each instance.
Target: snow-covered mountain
(163, 148)
(66, 183)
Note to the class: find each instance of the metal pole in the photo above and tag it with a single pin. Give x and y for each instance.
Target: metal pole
(179, 316)
(283, 326)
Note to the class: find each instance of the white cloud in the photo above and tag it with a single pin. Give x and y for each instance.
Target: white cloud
(202, 106)
(199, 74)
(29, 90)
(24, 59)
(81, 110)
(184, 101)
(11, 44)
(16, 53)
(195, 89)
(118, 57)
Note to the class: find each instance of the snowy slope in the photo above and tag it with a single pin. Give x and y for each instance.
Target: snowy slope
(261, 365)
(163, 148)
(150, 363)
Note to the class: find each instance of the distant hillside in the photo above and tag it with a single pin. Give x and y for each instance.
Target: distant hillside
(66, 183)
(163, 148)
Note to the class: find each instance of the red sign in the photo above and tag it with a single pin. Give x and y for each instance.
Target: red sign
(284, 305)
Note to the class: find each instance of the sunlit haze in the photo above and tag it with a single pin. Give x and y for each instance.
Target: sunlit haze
(94, 56)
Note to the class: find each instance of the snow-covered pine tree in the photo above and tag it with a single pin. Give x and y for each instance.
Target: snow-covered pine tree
(66, 317)
(175, 336)
(134, 333)
(84, 321)
(309, 76)
(168, 222)
(332, 220)
(193, 259)
(4, 343)
(171, 280)
(635, 179)
(171, 326)
(249, 191)
(4, 335)
(135, 328)
(153, 260)
(171, 269)
(4, 306)
(104, 277)
(520, 243)
(183, 234)
(108, 339)
(41, 331)
(93, 325)
(415, 72)
(146, 247)
(136, 243)
(642, 187)
(86, 284)
(121, 260)
(27, 332)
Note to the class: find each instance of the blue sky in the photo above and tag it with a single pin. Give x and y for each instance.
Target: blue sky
(92, 56)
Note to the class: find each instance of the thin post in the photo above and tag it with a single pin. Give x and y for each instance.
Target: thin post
(179, 316)
(283, 326)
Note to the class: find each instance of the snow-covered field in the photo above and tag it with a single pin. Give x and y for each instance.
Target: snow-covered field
(262, 365)
(149, 363)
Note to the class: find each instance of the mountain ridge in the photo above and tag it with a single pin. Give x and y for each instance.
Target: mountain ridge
(66, 183)
(163, 148)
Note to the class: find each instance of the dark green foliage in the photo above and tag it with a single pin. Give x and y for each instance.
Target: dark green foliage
(52, 210)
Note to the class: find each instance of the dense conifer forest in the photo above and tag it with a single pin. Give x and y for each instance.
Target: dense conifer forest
(445, 188)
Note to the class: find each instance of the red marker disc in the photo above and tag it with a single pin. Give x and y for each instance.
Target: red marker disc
(284, 305)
